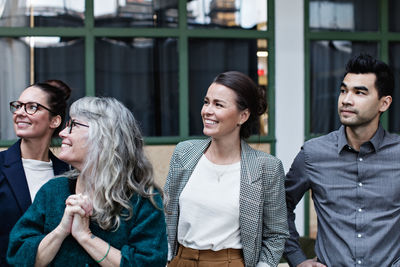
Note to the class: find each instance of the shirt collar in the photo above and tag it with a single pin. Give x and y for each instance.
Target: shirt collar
(376, 140)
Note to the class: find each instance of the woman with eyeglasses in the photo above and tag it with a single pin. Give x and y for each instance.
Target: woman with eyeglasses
(107, 211)
(38, 116)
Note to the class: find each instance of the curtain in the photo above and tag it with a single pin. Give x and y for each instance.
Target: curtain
(143, 74)
(14, 77)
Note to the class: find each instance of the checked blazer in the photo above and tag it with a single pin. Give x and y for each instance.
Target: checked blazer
(262, 206)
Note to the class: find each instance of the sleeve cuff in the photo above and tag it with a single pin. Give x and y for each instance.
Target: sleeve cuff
(296, 258)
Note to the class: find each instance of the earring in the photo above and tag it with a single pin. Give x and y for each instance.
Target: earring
(238, 125)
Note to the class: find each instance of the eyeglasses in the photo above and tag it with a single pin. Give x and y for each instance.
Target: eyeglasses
(72, 123)
(30, 107)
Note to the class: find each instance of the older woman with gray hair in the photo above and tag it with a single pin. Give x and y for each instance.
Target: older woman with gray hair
(108, 210)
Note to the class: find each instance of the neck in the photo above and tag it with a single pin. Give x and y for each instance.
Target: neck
(356, 136)
(35, 149)
(224, 151)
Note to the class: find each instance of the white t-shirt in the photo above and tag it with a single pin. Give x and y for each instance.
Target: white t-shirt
(209, 207)
(37, 173)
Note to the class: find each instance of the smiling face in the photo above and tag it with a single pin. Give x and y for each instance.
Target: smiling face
(220, 113)
(39, 125)
(358, 103)
(74, 145)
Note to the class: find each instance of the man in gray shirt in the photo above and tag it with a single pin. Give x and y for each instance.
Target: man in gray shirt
(354, 176)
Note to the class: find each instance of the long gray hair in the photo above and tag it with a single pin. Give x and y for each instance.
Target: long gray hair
(115, 167)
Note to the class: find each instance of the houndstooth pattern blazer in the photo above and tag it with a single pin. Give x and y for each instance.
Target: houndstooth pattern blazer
(262, 206)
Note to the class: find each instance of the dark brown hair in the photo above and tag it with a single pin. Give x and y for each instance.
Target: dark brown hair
(58, 93)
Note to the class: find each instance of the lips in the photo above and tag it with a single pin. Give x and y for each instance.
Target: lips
(209, 122)
(22, 123)
(65, 145)
(348, 111)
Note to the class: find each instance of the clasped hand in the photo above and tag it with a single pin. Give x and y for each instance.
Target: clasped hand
(75, 221)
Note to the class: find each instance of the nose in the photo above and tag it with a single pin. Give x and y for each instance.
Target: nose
(347, 99)
(208, 109)
(64, 132)
(20, 111)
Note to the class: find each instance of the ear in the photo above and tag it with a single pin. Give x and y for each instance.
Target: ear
(55, 122)
(244, 116)
(385, 102)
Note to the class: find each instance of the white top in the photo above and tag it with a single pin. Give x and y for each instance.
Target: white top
(37, 173)
(209, 207)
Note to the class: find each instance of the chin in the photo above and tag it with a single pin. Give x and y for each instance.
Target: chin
(207, 133)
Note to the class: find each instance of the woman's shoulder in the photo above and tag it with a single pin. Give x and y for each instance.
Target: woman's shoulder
(259, 154)
(11, 154)
(56, 184)
(188, 144)
(191, 146)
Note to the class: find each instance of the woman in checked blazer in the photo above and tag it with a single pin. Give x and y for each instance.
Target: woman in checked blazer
(226, 201)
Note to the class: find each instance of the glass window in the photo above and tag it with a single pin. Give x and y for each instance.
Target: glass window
(35, 59)
(394, 111)
(157, 68)
(343, 15)
(136, 13)
(42, 13)
(209, 57)
(328, 61)
(143, 74)
(250, 14)
(394, 10)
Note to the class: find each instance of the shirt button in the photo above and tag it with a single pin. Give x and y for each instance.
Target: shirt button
(359, 235)
(360, 159)
(360, 184)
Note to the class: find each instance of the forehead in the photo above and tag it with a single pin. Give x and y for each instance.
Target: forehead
(33, 94)
(360, 80)
(220, 92)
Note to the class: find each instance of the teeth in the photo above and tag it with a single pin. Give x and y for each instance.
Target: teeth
(210, 122)
(65, 145)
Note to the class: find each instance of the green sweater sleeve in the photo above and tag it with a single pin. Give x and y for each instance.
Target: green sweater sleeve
(148, 238)
(27, 234)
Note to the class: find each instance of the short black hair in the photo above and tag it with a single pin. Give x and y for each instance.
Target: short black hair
(365, 63)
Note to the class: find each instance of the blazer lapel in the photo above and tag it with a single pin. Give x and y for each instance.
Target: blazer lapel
(15, 175)
(250, 204)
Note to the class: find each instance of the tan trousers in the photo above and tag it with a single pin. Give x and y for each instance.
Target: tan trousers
(188, 257)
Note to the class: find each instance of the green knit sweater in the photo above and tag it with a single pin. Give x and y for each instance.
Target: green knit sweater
(142, 239)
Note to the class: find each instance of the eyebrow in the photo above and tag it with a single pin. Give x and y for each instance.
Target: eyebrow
(362, 88)
(215, 100)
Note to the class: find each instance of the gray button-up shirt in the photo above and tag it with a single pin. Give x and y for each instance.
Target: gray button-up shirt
(356, 197)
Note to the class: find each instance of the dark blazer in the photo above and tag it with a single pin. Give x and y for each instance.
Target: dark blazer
(263, 225)
(14, 192)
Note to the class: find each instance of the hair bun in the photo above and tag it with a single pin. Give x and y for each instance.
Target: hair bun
(61, 86)
(262, 100)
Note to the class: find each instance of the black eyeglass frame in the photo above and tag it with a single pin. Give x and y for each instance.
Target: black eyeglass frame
(12, 106)
(71, 123)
